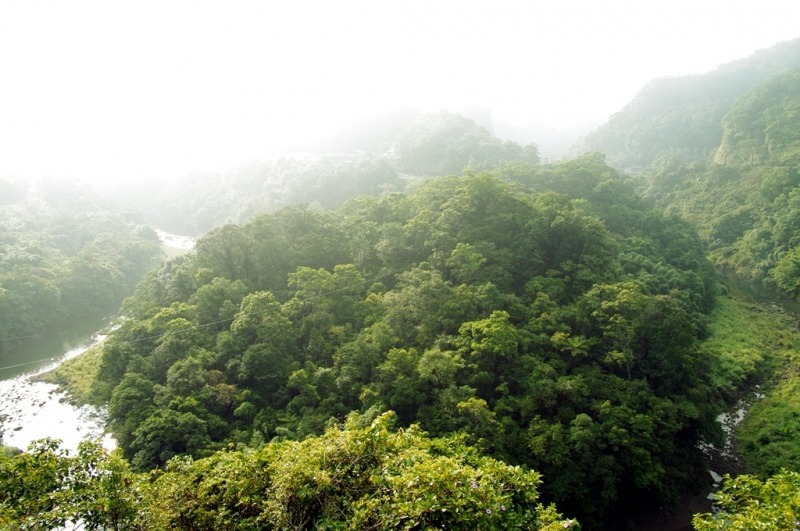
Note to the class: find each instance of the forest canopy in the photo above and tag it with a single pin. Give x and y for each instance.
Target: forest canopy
(549, 314)
(65, 252)
(745, 204)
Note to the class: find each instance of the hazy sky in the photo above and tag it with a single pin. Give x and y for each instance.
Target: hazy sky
(127, 89)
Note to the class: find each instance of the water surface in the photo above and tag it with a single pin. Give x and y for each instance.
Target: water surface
(35, 410)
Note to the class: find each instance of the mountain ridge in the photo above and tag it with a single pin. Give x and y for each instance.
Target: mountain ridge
(681, 116)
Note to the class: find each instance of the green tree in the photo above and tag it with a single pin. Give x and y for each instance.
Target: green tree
(746, 502)
(353, 477)
(165, 434)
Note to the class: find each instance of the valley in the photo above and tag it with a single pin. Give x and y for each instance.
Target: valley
(496, 343)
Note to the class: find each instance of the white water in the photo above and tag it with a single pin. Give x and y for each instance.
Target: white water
(185, 243)
(35, 410)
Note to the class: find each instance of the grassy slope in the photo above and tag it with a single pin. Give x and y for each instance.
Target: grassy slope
(75, 376)
(748, 342)
(760, 344)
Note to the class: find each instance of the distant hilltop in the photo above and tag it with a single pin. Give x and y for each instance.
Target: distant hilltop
(683, 116)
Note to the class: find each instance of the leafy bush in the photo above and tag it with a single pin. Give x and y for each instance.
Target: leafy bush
(353, 478)
(746, 503)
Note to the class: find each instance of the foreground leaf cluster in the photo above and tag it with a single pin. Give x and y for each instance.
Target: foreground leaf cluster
(355, 477)
(747, 503)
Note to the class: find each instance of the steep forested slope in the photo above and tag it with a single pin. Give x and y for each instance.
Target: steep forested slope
(725, 154)
(682, 117)
(65, 253)
(745, 205)
(425, 144)
(762, 127)
(553, 319)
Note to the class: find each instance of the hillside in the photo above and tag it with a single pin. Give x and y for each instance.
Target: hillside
(762, 126)
(555, 331)
(356, 342)
(65, 252)
(745, 204)
(376, 156)
(681, 117)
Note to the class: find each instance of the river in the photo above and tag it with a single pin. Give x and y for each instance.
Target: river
(679, 517)
(33, 410)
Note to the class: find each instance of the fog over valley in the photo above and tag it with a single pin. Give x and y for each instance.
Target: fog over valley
(415, 265)
(150, 90)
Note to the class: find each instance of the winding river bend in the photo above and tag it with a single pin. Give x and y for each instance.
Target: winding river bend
(32, 410)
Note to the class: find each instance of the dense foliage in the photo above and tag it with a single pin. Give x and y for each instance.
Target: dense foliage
(768, 436)
(553, 319)
(65, 253)
(681, 117)
(745, 206)
(364, 476)
(746, 503)
(761, 127)
(46, 488)
(547, 317)
(732, 169)
(428, 144)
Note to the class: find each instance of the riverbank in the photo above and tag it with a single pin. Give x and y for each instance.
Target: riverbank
(45, 385)
(754, 346)
(750, 343)
(74, 377)
(34, 410)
